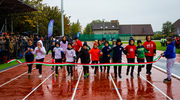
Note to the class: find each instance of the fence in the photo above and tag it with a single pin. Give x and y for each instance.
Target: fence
(92, 37)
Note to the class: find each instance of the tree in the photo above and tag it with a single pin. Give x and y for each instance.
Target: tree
(28, 21)
(75, 28)
(167, 28)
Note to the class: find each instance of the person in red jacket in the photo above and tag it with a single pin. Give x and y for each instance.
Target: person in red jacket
(77, 46)
(151, 46)
(131, 49)
(95, 53)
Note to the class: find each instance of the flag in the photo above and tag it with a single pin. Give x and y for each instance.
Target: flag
(78, 34)
(50, 28)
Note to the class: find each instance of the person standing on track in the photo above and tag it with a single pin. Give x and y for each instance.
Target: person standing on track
(170, 54)
(64, 43)
(40, 52)
(70, 58)
(51, 48)
(140, 55)
(131, 49)
(95, 53)
(77, 46)
(58, 51)
(151, 46)
(85, 59)
(100, 45)
(29, 57)
(106, 56)
(117, 56)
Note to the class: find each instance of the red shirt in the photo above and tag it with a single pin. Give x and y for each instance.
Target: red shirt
(177, 40)
(94, 54)
(131, 50)
(151, 46)
(77, 45)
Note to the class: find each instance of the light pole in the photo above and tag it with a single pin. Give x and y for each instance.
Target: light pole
(62, 18)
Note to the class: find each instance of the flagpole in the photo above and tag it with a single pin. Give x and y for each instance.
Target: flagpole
(62, 17)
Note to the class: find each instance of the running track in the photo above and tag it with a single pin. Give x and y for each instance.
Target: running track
(100, 87)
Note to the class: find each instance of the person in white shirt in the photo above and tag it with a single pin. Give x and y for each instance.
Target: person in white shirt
(58, 51)
(70, 58)
(39, 51)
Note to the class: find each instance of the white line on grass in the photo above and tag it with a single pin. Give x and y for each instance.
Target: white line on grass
(76, 85)
(16, 77)
(37, 86)
(154, 86)
(116, 88)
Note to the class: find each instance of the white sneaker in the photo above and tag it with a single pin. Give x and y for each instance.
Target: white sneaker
(40, 76)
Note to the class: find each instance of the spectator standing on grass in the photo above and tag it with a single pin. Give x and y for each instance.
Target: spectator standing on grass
(170, 54)
(151, 46)
(40, 52)
(29, 57)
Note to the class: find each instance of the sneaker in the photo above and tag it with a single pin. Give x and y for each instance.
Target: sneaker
(87, 75)
(127, 73)
(166, 80)
(132, 76)
(52, 68)
(40, 76)
(147, 73)
(84, 76)
(120, 76)
(72, 78)
(29, 74)
(56, 75)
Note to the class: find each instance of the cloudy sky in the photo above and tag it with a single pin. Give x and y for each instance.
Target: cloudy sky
(154, 12)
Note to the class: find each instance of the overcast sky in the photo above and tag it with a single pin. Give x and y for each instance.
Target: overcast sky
(154, 12)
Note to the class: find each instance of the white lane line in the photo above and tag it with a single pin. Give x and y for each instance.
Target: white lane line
(115, 87)
(37, 86)
(16, 77)
(13, 79)
(154, 86)
(76, 85)
(174, 75)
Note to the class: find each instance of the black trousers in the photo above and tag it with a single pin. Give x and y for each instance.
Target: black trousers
(149, 66)
(70, 69)
(39, 66)
(130, 60)
(108, 67)
(86, 69)
(57, 61)
(96, 67)
(29, 68)
(140, 66)
(115, 67)
(100, 61)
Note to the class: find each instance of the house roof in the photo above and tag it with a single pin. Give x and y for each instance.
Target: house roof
(15, 6)
(176, 25)
(139, 29)
(105, 26)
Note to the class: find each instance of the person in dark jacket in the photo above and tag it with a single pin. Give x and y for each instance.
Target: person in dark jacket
(85, 59)
(170, 54)
(29, 57)
(117, 56)
(51, 48)
(106, 55)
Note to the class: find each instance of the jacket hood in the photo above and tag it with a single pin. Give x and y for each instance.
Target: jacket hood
(130, 40)
(172, 44)
(40, 42)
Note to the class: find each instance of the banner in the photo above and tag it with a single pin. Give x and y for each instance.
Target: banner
(78, 34)
(100, 64)
(50, 28)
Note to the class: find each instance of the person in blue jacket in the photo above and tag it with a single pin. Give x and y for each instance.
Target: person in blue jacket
(29, 57)
(117, 56)
(106, 55)
(170, 54)
(51, 48)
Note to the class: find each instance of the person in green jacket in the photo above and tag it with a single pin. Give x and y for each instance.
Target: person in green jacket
(100, 45)
(140, 49)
